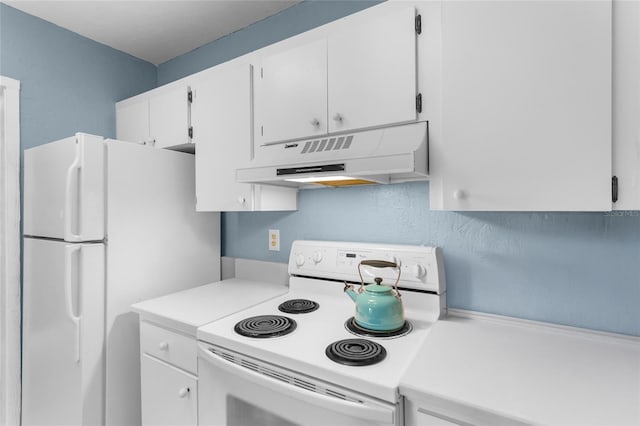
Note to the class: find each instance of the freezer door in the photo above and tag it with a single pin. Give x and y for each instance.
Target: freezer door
(63, 333)
(157, 244)
(64, 194)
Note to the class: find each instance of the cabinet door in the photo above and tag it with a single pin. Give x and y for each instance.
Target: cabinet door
(222, 115)
(132, 121)
(169, 117)
(291, 100)
(526, 107)
(169, 395)
(372, 73)
(626, 103)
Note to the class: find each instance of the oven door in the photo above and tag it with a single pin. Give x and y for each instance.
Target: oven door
(237, 390)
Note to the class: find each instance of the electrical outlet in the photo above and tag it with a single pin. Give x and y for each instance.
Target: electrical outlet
(274, 239)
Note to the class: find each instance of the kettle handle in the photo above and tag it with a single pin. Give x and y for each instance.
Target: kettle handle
(379, 264)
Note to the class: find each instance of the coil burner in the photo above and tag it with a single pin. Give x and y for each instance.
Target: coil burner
(356, 352)
(264, 326)
(298, 306)
(352, 327)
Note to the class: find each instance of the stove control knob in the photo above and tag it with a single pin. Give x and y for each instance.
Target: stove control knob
(317, 257)
(299, 260)
(418, 271)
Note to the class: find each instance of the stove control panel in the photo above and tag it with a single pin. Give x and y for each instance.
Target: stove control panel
(420, 268)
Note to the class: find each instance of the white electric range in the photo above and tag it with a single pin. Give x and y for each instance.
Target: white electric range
(292, 360)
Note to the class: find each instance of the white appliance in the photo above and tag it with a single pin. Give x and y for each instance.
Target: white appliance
(248, 378)
(385, 155)
(106, 224)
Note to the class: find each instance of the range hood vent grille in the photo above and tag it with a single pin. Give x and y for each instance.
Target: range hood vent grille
(326, 144)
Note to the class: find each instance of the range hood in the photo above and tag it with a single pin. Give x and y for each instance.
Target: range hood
(385, 155)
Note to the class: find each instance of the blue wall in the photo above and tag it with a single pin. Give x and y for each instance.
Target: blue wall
(580, 269)
(294, 20)
(69, 83)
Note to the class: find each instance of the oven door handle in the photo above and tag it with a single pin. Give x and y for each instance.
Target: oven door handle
(363, 410)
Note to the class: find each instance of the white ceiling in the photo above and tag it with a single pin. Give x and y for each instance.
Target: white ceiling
(155, 31)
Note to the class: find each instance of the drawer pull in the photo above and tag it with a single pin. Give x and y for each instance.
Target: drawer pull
(182, 393)
(163, 346)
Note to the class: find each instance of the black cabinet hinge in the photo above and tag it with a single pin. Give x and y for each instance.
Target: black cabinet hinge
(418, 24)
(419, 102)
(614, 189)
(191, 132)
(190, 96)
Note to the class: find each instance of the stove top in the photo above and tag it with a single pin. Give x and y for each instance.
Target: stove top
(304, 349)
(318, 344)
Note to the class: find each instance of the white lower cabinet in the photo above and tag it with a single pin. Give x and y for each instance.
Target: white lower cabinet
(169, 386)
(169, 395)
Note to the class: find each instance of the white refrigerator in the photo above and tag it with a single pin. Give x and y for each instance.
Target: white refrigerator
(106, 224)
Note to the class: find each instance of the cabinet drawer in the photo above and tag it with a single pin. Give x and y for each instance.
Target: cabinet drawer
(169, 395)
(174, 348)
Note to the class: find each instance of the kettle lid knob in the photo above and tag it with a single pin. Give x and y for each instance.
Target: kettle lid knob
(378, 280)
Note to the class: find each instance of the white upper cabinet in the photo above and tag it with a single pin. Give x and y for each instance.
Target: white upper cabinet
(222, 106)
(358, 77)
(526, 107)
(626, 103)
(160, 118)
(132, 121)
(292, 93)
(169, 121)
(372, 73)
(222, 112)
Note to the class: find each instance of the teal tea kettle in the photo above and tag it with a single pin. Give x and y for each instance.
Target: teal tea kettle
(378, 307)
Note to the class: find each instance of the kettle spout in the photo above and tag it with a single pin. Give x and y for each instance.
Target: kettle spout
(348, 288)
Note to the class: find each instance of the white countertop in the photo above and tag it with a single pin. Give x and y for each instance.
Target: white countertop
(533, 373)
(187, 310)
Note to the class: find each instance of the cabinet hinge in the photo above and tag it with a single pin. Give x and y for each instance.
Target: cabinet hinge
(614, 189)
(419, 102)
(190, 96)
(418, 24)
(261, 72)
(191, 132)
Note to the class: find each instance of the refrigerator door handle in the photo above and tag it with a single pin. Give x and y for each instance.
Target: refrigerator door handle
(70, 250)
(69, 206)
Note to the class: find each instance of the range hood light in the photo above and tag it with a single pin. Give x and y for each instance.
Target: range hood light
(332, 181)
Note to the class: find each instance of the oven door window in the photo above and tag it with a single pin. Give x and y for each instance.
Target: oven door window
(233, 392)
